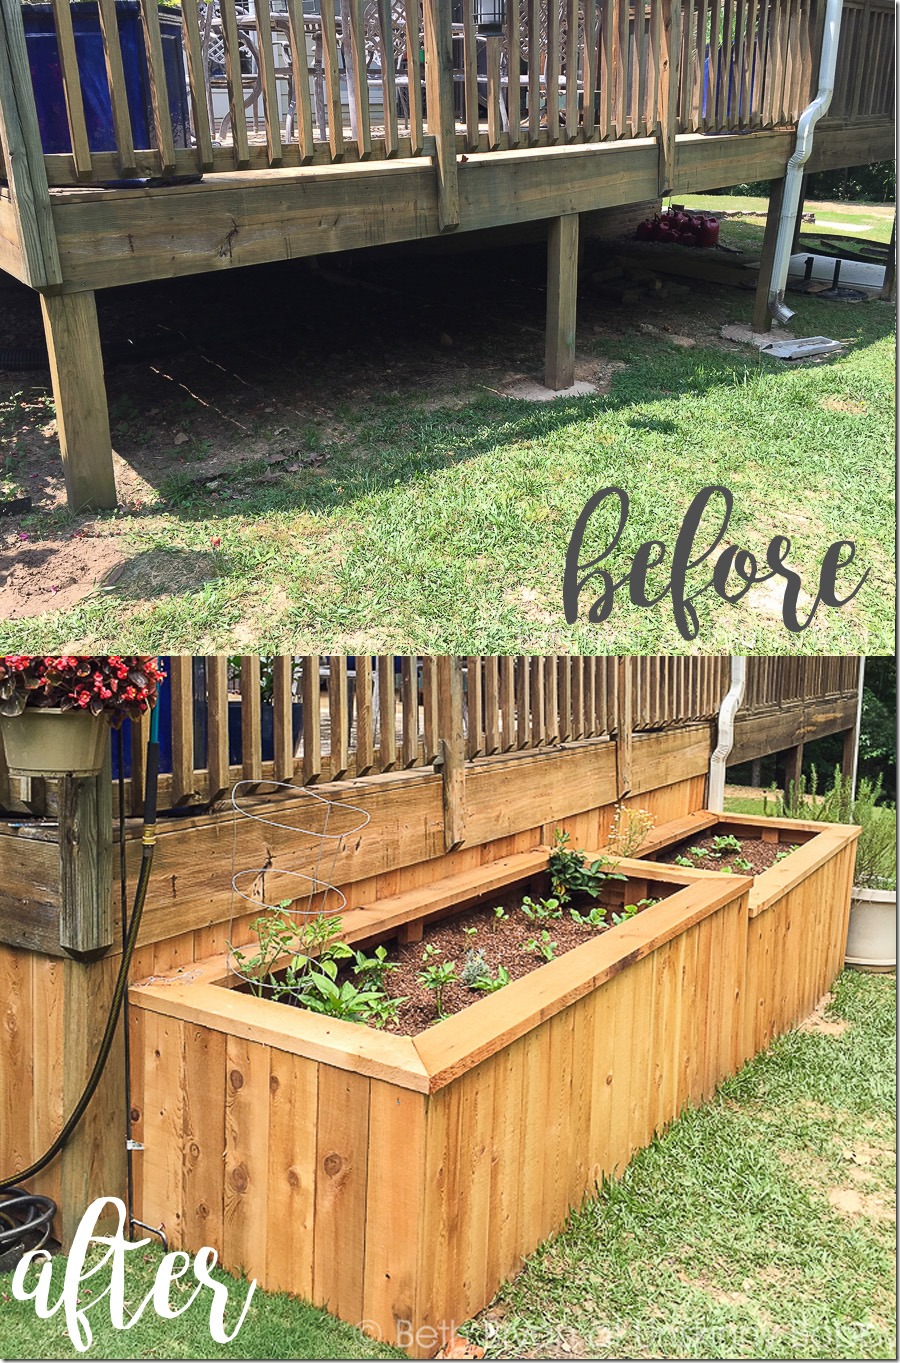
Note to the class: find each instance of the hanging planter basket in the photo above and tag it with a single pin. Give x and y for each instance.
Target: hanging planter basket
(46, 742)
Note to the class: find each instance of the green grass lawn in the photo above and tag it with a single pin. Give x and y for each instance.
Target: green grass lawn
(357, 483)
(759, 1226)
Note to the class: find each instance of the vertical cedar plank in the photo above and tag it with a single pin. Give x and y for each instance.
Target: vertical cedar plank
(293, 1090)
(246, 1200)
(342, 1133)
(365, 722)
(394, 1207)
(312, 720)
(203, 1150)
(181, 685)
(338, 713)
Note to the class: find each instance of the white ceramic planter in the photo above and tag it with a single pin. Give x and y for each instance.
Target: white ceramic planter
(872, 937)
(54, 742)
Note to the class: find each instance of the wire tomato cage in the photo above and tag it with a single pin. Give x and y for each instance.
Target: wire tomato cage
(328, 824)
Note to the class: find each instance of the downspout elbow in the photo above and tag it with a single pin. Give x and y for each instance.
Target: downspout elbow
(790, 201)
(715, 797)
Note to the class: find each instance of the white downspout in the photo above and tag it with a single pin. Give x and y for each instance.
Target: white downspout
(715, 792)
(859, 701)
(790, 200)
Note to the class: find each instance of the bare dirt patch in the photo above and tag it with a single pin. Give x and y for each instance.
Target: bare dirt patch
(843, 405)
(818, 1022)
(851, 1202)
(56, 573)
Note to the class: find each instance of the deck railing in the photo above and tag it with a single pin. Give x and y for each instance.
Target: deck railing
(313, 718)
(239, 85)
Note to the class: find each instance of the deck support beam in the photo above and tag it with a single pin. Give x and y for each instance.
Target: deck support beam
(793, 770)
(562, 294)
(82, 416)
(762, 318)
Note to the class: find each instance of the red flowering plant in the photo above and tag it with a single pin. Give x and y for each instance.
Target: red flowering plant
(115, 687)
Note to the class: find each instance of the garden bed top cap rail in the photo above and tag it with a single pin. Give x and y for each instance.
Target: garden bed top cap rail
(428, 1062)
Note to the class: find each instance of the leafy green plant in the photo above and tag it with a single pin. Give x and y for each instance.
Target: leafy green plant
(570, 874)
(543, 945)
(684, 861)
(541, 910)
(742, 864)
(698, 853)
(472, 931)
(374, 968)
(499, 916)
(438, 977)
(876, 854)
(322, 994)
(475, 968)
(726, 842)
(489, 984)
(630, 910)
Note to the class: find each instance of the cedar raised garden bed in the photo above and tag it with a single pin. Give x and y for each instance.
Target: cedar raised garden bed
(799, 907)
(399, 1180)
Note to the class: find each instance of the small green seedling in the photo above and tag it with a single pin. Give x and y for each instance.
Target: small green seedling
(543, 945)
(438, 979)
(541, 910)
(471, 932)
(630, 910)
(489, 984)
(726, 842)
(683, 861)
(594, 918)
(373, 968)
(500, 916)
(742, 864)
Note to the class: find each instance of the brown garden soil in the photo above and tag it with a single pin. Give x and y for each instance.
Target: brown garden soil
(761, 855)
(502, 943)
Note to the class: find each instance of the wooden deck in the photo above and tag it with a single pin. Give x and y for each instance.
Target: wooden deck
(580, 105)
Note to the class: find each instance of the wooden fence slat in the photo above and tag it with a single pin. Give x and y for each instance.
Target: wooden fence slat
(268, 82)
(251, 718)
(365, 717)
(68, 62)
(159, 94)
(283, 717)
(639, 71)
(312, 720)
(565, 698)
(190, 23)
(538, 717)
(387, 732)
(338, 715)
(235, 82)
(551, 698)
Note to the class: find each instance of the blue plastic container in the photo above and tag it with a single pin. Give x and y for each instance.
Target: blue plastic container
(46, 75)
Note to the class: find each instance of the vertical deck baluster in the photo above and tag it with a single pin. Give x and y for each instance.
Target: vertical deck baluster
(474, 694)
(235, 82)
(551, 70)
(492, 63)
(181, 694)
(251, 718)
(712, 68)
(590, 65)
(726, 70)
(156, 76)
(523, 701)
(534, 71)
(413, 69)
(538, 719)
(365, 725)
(312, 720)
(388, 77)
(508, 702)
(300, 69)
(190, 25)
(409, 708)
(491, 705)
(639, 68)
(268, 80)
(217, 766)
(357, 42)
(513, 74)
(71, 78)
(606, 76)
(429, 708)
(338, 715)
(572, 53)
(470, 76)
(118, 95)
(387, 721)
(282, 718)
(650, 106)
(332, 83)
(622, 70)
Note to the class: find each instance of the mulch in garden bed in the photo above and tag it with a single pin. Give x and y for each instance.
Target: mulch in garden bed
(760, 855)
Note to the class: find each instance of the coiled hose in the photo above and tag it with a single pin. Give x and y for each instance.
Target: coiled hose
(26, 1218)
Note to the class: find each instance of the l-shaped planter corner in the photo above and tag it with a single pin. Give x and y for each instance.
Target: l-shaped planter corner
(400, 1180)
(799, 912)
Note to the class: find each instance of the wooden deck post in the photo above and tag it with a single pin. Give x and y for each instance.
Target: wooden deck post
(441, 119)
(82, 416)
(562, 294)
(793, 770)
(762, 318)
(85, 863)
